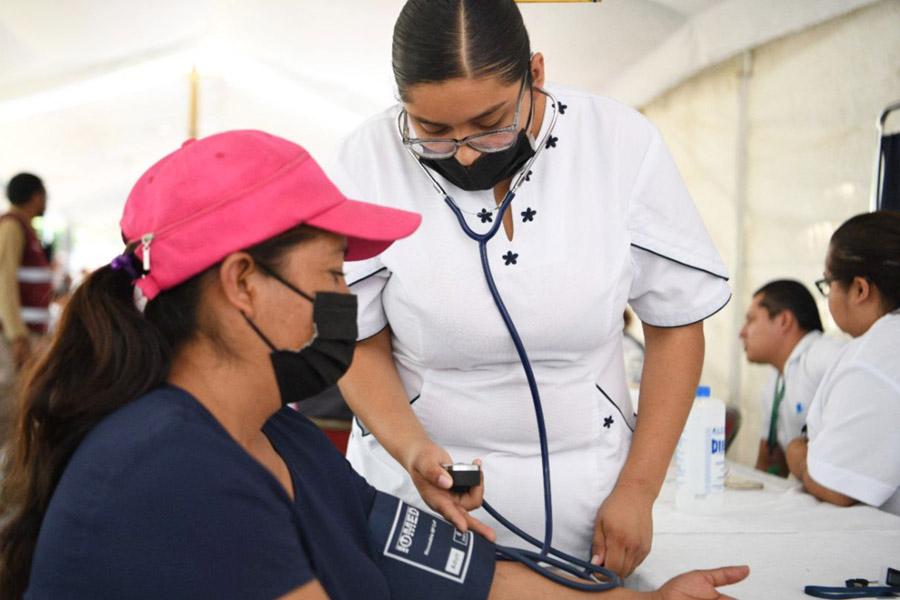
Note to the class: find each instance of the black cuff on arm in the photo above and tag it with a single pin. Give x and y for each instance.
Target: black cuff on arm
(423, 556)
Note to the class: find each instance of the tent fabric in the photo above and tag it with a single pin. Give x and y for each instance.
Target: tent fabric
(716, 34)
(94, 91)
(812, 103)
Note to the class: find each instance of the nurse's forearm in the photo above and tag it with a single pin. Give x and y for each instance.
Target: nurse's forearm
(373, 390)
(673, 360)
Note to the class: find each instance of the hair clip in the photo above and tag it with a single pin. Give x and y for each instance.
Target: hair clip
(127, 263)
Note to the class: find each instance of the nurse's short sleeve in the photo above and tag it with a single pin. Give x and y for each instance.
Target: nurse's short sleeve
(366, 279)
(679, 277)
(857, 450)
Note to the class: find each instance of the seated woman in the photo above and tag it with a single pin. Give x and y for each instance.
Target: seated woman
(853, 451)
(155, 456)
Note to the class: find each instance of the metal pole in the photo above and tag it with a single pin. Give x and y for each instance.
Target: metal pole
(875, 201)
(194, 78)
(740, 222)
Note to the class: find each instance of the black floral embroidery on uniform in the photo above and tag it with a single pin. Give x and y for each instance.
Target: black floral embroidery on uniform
(551, 143)
(528, 214)
(607, 422)
(528, 176)
(562, 108)
(485, 216)
(510, 258)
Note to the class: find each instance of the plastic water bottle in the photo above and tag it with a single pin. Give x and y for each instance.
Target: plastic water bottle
(700, 456)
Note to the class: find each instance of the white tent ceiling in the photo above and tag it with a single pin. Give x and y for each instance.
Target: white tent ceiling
(93, 91)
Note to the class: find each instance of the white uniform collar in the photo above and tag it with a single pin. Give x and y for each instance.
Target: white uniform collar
(802, 346)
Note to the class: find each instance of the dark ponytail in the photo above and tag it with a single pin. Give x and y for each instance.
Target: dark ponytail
(868, 245)
(437, 40)
(106, 355)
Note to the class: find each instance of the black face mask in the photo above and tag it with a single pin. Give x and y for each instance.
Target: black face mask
(488, 170)
(317, 366)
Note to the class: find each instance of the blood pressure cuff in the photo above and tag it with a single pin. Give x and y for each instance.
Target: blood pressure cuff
(423, 556)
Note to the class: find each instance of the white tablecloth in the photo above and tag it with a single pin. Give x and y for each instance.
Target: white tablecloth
(788, 538)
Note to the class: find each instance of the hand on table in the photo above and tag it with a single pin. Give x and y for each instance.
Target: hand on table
(425, 466)
(623, 532)
(701, 585)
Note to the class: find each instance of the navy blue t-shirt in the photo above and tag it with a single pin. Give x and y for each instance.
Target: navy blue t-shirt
(159, 501)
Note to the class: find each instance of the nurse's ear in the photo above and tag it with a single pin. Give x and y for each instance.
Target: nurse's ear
(538, 75)
(861, 290)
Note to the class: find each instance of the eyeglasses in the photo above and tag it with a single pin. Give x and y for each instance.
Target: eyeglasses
(824, 285)
(438, 148)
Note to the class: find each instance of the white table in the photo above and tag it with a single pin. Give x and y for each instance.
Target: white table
(788, 538)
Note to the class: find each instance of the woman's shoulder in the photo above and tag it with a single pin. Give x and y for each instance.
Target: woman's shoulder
(162, 436)
(158, 485)
(164, 412)
(371, 161)
(582, 103)
(376, 129)
(876, 350)
(603, 127)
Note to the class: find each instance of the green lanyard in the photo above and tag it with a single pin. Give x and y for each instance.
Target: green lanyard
(779, 394)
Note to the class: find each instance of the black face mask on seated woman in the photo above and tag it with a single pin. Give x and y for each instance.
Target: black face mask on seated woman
(317, 366)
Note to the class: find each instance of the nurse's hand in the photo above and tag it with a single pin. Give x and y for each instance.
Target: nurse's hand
(701, 585)
(623, 532)
(424, 464)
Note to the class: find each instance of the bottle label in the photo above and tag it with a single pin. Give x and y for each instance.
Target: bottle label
(700, 462)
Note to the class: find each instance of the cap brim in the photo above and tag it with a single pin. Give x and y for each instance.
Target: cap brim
(369, 228)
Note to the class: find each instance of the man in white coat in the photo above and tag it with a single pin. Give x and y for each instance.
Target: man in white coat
(783, 329)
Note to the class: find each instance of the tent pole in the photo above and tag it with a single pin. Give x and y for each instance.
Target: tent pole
(740, 209)
(192, 118)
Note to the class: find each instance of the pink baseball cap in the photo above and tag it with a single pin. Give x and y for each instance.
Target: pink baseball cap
(232, 190)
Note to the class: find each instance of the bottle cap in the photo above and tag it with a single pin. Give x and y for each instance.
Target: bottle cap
(703, 391)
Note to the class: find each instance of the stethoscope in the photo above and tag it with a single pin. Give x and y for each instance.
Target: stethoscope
(533, 560)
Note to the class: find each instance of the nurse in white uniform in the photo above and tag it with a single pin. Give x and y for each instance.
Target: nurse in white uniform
(853, 451)
(601, 218)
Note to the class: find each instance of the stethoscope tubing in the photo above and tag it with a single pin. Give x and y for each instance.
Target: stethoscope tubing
(532, 560)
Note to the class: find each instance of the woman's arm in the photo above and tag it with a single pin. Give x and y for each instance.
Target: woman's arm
(672, 363)
(513, 581)
(373, 390)
(796, 459)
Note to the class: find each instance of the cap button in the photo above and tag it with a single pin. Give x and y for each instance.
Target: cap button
(188, 142)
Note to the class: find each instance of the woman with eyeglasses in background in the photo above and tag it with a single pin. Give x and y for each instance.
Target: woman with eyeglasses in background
(600, 219)
(853, 451)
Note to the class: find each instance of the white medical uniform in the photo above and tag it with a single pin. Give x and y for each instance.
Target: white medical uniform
(803, 371)
(603, 219)
(854, 420)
